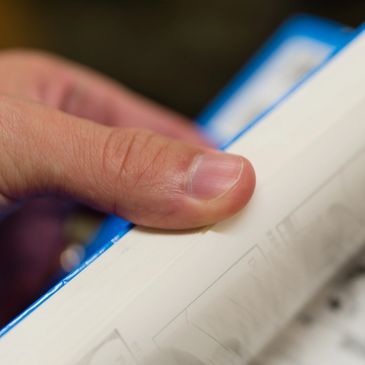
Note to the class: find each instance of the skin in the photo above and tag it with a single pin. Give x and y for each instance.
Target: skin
(70, 134)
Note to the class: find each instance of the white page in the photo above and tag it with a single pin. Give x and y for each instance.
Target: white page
(331, 329)
(289, 64)
(334, 335)
(217, 296)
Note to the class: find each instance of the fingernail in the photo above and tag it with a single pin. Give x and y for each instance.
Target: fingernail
(213, 174)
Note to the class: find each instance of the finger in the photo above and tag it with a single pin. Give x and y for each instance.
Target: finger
(79, 91)
(149, 179)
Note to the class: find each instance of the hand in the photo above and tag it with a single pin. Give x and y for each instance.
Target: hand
(70, 132)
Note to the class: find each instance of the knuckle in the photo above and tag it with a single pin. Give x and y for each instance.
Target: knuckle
(38, 75)
(133, 158)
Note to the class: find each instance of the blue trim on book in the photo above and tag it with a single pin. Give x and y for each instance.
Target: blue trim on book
(126, 228)
(306, 26)
(310, 74)
(111, 227)
(122, 227)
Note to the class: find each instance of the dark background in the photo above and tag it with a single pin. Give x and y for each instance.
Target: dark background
(179, 52)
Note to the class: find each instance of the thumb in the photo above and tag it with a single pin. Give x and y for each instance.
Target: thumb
(146, 178)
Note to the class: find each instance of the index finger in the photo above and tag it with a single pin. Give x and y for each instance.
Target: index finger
(80, 91)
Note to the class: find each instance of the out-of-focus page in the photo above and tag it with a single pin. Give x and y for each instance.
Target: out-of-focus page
(217, 296)
(293, 59)
(330, 330)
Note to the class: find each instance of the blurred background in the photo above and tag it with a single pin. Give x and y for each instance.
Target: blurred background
(178, 52)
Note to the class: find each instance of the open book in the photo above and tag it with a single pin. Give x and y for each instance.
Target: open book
(230, 293)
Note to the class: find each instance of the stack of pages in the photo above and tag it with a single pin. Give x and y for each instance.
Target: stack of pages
(282, 282)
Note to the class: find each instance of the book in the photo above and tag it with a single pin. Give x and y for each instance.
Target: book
(220, 295)
(293, 51)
